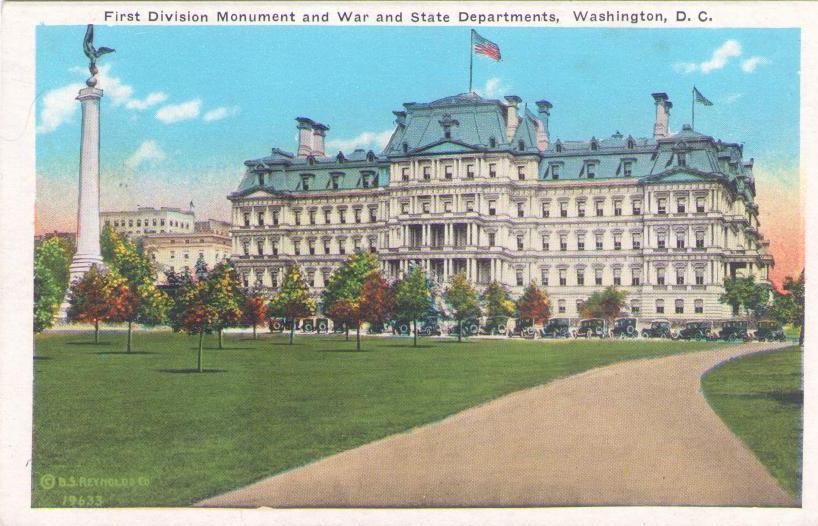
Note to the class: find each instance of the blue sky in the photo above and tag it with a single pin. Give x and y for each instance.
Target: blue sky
(184, 106)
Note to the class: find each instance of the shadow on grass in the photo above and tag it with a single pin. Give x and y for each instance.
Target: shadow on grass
(782, 397)
(88, 343)
(125, 353)
(191, 371)
(348, 351)
(38, 358)
(410, 346)
(227, 348)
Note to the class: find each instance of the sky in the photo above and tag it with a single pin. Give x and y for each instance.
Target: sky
(184, 106)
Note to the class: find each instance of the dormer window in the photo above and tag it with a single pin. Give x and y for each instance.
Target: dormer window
(305, 182)
(447, 123)
(335, 181)
(594, 144)
(405, 148)
(447, 134)
(681, 157)
(627, 168)
(261, 179)
(370, 156)
(521, 145)
(631, 143)
(492, 142)
(558, 146)
(590, 170)
(555, 171)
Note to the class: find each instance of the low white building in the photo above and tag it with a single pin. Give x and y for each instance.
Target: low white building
(148, 220)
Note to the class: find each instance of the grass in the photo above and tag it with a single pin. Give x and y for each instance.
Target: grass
(169, 436)
(760, 397)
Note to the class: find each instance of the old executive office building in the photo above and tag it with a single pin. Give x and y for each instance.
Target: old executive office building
(478, 185)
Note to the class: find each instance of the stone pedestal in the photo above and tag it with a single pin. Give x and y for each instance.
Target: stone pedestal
(88, 252)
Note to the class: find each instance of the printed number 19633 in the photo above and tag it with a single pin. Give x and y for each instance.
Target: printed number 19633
(82, 500)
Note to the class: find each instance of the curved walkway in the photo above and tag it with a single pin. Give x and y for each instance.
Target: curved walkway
(633, 433)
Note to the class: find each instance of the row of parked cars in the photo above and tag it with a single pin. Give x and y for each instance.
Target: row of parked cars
(625, 327)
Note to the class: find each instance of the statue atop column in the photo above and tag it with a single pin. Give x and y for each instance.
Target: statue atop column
(93, 54)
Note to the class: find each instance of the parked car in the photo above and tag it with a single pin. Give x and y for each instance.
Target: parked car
(339, 328)
(734, 330)
(556, 328)
(277, 324)
(495, 326)
(429, 327)
(658, 329)
(322, 325)
(402, 327)
(307, 325)
(697, 330)
(524, 327)
(592, 327)
(376, 328)
(624, 328)
(470, 327)
(769, 331)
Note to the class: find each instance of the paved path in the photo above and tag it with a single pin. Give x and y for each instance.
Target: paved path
(637, 432)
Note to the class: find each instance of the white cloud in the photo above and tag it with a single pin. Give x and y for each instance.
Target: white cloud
(59, 106)
(153, 98)
(148, 151)
(220, 113)
(179, 112)
(730, 99)
(117, 91)
(365, 139)
(720, 57)
(749, 65)
(494, 88)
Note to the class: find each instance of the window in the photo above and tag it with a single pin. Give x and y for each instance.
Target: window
(660, 240)
(555, 171)
(138, 222)
(246, 252)
(275, 248)
(162, 222)
(680, 240)
(305, 182)
(544, 277)
(426, 206)
(661, 206)
(275, 217)
(546, 209)
(660, 306)
(627, 168)
(681, 205)
(600, 208)
(520, 209)
(521, 172)
(356, 214)
(356, 244)
(519, 242)
(635, 307)
(563, 209)
(311, 215)
(680, 306)
(404, 174)
(246, 219)
(297, 215)
(469, 171)
(617, 241)
(297, 247)
(598, 276)
(311, 278)
(699, 276)
(491, 238)
(326, 246)
(637, 208)
(590, 170)
(599, 241)
(635, 277)
(447, 206)
(492, 207)
(700, 239)
(682, 158)
(342, 246)
(519, 276)
(334, 182)
(581, 208)
(492, 170)
(617, 276)
(700, 205)
(447, 171)
(342, 215)
(259, 248)
(660, 276)
(580, 277)
(636, 239)
(580, 241)
(373, 215)
(545, 243)
(698, 306)
(563, 242)
(563, 277)
(492, 142)
(561, 306)
(404, 207)
(469, 206)
(311, 246)
(427, 173)
(618, 207)
(680, 276)
(521, 145)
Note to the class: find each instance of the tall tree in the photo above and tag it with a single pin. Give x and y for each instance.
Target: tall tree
(193, 313)
(346, 281)
(788, 307)
(744, 292)
(377, 300)
(89, 299)
(412, 297)
(348, 313)
(497, 301)
(462, 298)
(534, 304)
(254, 311)
(226, 295)
(606, 304)
(51, 261)
(293, 300)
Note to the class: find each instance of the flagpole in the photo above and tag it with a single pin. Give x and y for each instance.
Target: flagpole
(693, 109)
(471, 57)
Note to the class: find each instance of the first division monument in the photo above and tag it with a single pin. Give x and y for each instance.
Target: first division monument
(88, 252)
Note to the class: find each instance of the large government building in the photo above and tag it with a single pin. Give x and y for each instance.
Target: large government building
(478, 185)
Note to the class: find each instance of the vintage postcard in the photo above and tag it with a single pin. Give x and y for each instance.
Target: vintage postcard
(398, 263)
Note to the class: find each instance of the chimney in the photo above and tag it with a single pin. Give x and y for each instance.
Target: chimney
(663, 105)
(543, 137)
(319, 131)
(512, 121)
(305, 126)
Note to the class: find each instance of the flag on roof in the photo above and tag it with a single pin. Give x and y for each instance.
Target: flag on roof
(484, 46)
(701, 99)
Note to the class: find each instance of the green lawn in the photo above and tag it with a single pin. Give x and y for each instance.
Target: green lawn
(177, 436)
(761, 398)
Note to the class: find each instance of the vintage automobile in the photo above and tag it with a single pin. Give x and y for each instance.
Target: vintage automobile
(376, 328)
(307, 325)
(402, 327)
(657, 329)
(429, 327)
(524, 327)
(470, 327)
(322, 325)
(592, 327)
(277, 324)
(556, 328)
(697, 330)
(624, 328)
(497, 325)
(769, 331)
(734, 330)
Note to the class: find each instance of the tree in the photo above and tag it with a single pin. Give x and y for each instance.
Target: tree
(377, 300)
(293, 299)
(744, 292)
(497, 301)
(788, 307)
(605, 304)
(226, 295)
(346, 281)
(347, 312)
(412, 297)
(201, 269)
(534, 304)
(254, 311)
(193, 313)
(124, 303)
(51, 261)
(89, 299)
(462, 298)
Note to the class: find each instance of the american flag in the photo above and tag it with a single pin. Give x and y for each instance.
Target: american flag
(483, 46)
